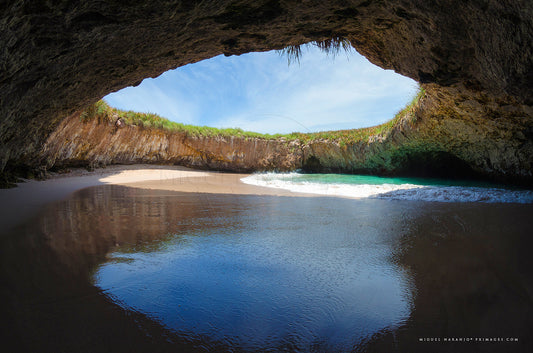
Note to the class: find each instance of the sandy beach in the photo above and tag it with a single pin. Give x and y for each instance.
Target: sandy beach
(24, 201)
(176, 259)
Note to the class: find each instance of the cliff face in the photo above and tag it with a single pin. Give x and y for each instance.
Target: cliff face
(438, 136)
(59, 57)
(94, 143)
(446, 134)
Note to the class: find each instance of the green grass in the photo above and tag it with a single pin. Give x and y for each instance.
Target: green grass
(104, 113)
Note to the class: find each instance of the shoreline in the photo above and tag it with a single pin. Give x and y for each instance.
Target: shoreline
(29, 197)
(20, 204)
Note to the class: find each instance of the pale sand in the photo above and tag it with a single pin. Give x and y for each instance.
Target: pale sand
(23, 202)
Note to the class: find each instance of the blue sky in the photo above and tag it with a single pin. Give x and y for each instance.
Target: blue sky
(260, 92)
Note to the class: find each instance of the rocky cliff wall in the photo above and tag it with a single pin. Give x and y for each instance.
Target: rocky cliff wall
(446, 134)
(93, 143)
(57, 58)
(439, 135)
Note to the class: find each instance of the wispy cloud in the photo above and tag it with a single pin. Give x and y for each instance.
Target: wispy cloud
(153, 97)
(260, 92)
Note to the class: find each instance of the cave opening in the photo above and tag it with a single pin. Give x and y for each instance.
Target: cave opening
(477, 107)
(265, 92)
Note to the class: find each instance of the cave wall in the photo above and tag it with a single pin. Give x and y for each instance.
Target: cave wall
(446, 134)
(438, 136)
(58, 57)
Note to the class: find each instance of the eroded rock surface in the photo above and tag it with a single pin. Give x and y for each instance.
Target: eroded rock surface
(58, 57)
(92, 144)
(439, 135)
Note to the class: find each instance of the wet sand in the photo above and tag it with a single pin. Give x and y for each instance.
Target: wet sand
(108, 268)
(23, 202)
(405, 269)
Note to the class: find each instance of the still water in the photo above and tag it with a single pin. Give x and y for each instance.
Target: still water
(120, 269)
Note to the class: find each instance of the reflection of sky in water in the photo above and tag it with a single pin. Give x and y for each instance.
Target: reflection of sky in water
(273, 276)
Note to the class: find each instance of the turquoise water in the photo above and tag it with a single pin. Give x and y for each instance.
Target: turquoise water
(415, 189)
(355, 179)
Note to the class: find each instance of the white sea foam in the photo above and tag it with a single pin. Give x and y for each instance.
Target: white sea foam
(391, 191)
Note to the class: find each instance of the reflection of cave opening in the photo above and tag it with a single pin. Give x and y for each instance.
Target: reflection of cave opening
(259, 92)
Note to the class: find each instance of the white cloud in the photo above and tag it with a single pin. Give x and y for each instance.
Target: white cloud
(259, 92)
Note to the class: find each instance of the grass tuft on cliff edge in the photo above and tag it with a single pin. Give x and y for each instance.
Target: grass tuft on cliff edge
(105, 114)
(345, 137)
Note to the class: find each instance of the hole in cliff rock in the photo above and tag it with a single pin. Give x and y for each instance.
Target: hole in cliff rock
(260, 92)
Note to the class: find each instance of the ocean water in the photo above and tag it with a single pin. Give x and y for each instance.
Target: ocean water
(367, 186)
(119, 269)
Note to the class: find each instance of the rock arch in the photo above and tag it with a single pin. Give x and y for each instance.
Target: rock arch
(473, 56)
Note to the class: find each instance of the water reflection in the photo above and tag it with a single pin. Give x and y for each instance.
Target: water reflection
(473, 272)
(48, 300)
(123, 270)
(268, 274)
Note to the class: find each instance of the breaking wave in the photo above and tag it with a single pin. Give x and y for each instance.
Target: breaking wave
(359, 186)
